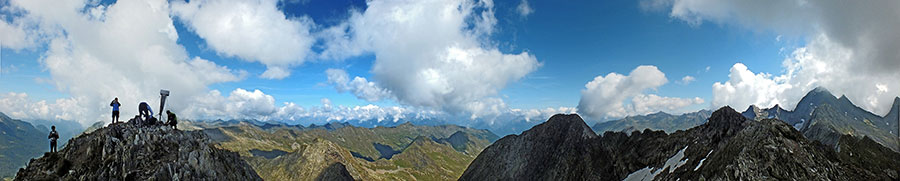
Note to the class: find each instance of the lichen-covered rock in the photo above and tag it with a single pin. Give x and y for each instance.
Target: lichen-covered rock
(126, 152)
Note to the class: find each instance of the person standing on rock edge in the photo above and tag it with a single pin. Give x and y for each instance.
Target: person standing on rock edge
(115, 112)
(53, 136)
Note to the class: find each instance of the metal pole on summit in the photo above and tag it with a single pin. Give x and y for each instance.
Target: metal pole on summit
(162, 102)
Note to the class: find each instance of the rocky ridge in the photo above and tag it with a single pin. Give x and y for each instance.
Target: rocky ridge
(124, 151)
(727, 147)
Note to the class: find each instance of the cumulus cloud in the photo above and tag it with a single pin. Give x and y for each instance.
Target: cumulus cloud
(14, 36)
(251, 30)
(432, 53)
(687, 79)
(605, 96)
(359, 86)
(524, 9)
(20, 32)
(240, 103)
(850, 47)
(745, 88)
(98, 58)
(20, 105)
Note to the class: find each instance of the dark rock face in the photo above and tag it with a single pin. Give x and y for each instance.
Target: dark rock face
(727, 147)
(125, 152)
(551, 150)
(334, 172)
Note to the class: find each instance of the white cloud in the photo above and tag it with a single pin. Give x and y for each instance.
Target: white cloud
(542, 114)
(524, 9)
(240, 103)
(14, 37)
(687, 79)
(359, 86)
(432, 54)
(850, 47)
(647, 103)
(745, 88)
(605, 97)
(21, 106)
(20, 32)
(251, 30)
(97, 59)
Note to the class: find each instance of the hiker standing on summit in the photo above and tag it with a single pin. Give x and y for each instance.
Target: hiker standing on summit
(53, 136)
(115, 112)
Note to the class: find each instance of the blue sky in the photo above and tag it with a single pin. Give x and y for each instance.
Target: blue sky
(572, 42)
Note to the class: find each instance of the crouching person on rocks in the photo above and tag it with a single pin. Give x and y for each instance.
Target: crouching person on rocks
(172, 121)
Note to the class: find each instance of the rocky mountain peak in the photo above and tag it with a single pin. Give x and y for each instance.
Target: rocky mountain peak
(821, 90)
(726, 119)
(564, 126)
(124, 151)
(817, 96)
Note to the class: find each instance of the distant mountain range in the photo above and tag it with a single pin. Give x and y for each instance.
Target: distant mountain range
(402, 152)
(727, 147)
(656, 121)
(823, 138)
(19, 142)
(23, 140)
(819, 116)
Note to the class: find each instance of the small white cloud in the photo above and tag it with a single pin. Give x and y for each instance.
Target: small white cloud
(360, 87)
(605, 97)
(524, 9)
(707, 68)
(686, 80)
(882, 88)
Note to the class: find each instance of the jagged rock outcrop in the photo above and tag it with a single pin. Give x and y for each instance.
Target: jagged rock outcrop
(553, 150)
(824, 117)
(727, 147)
(123, 151)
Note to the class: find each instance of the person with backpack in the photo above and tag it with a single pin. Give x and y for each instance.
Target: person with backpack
(145, 111)
(53, 137)
(115, 110)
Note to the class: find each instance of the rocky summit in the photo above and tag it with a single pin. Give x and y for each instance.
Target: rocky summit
(127, 152)
(727, 147)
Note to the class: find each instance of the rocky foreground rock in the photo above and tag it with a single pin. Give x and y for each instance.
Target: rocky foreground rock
(126, 152)
(727, 147)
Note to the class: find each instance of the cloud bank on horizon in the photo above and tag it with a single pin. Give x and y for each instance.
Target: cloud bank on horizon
(851, 49)
(434, 59)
